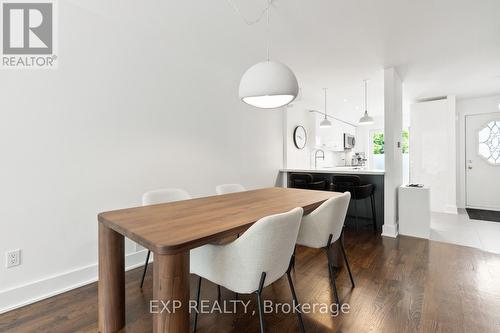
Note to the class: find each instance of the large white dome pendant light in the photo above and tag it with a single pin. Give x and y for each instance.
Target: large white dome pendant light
(366, 119)
(325, 122)
(268, 84)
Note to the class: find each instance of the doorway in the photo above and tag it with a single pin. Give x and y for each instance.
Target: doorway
(482, 161)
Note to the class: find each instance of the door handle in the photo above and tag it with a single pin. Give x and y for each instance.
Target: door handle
(469, 167)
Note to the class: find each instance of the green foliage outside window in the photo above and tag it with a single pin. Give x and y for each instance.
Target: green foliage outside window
(406, 138)
(378, 142)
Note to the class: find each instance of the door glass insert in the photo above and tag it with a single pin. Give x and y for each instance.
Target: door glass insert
(489, 142)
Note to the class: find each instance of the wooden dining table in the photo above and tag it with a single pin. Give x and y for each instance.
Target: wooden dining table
(170, 231)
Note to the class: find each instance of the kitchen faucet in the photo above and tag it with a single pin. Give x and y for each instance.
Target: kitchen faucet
(316, 157)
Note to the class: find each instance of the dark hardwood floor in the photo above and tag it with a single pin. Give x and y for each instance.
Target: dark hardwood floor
(402, 285)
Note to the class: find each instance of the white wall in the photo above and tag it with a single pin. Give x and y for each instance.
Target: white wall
(393, 112)
(469, 106)
(145, 96)
(295, 116)
(433, 151)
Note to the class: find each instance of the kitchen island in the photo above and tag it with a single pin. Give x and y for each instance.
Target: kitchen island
(367, 176)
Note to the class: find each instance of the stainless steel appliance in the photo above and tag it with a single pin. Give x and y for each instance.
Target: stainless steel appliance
(358, 159)
(349, 141)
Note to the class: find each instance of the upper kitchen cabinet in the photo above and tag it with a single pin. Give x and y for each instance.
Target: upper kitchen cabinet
(332, 138)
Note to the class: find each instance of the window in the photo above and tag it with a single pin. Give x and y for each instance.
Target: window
(489, 142)
(377, 157)
(406, 140)
(378, 143)
(378, 150)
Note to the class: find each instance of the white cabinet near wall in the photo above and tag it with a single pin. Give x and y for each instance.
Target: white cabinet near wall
(414, 211)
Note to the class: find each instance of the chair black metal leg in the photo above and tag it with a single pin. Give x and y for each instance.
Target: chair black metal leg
(330, 269)
(296, 302)
(353, 198)
(218, 293)
(356, 214)
(374, 213)
(293, 258)
(291, 264)
(334, 285)
(261, 314)
(197, 304)
(347, 263)
(259, 302)
(145, 268)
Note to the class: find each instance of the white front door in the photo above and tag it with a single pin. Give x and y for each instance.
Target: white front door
(483, 161)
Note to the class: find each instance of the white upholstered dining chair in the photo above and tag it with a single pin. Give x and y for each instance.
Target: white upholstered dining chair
(253, 261)
(322, 227)
(158, 197)
(229, 188)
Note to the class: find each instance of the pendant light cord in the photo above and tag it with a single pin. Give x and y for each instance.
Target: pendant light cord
(325, 103)
(268, 30)
(258, 19)
(366, 96)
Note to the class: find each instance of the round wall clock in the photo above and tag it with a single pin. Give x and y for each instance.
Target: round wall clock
(299, 137)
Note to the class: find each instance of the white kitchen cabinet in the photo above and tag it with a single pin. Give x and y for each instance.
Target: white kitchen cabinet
(349, 129)
(332, 138)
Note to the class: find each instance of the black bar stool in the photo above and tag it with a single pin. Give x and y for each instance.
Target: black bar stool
(307, 181)
(358, 191)
(300, 180)
(319, 183)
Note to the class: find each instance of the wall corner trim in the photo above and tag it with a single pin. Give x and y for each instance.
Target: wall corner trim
(390, 231)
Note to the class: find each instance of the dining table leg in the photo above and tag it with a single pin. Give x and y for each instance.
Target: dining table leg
(171, 293)
(111, 286)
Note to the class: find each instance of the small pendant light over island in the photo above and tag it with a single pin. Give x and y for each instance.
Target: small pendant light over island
(325, 122)
(366, 119)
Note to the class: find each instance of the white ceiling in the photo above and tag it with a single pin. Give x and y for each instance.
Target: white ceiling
(439, 47)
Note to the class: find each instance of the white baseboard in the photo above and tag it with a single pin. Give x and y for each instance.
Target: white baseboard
(451, 209)
(19, 296)
(390, 230)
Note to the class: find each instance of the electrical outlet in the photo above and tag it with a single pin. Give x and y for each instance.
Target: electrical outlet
(13, 258)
